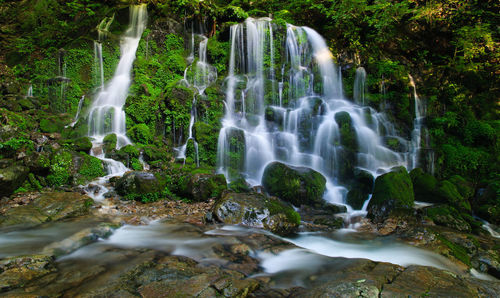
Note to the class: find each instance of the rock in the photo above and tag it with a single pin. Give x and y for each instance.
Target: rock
(109, 142)
(239, 185)
(135, 185)
(256, 210)
(447, 216)
(11, 178)
(424, 186)
(486, 204)
(52, 125)
(360, 189)
(140, 133)
(38, 163)
(296, 185)
(448, 193)
(202, 187)
(234, 156)
(349, 142)
(18, 271)
(82, 144)
(395, 144)
(463, 186)
(392, 191)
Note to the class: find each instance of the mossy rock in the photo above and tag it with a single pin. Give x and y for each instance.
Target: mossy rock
(140, 133)
(202, 187)
(258, 211)
(239, 185)
(82, 144)
(424, 186)
(11, 178)
(392, 191)
(296, 185)
(51, 125)
(360, 189)
(141, 186)
(463, 186)
(447, 216)
(448, 192)
(109, 142)
(234, 152)
(91, 168)
(61, 168)
(348, 135)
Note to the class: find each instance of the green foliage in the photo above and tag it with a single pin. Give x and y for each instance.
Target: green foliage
(140, 134)
(91, 167)
(60, 168)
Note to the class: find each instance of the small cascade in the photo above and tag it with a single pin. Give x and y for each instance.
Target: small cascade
(29, 93)
(198, 75)
(106, 114)
(309, 124)
(80, 104)
(98, 64)
(359, 86)
(418, 134)
(57, 86)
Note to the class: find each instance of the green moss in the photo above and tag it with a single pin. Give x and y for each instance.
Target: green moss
(275, 207)
(140, 133)
(110, 142)
(456, 250)
(91, 168)
(60, 168)
(51, 125)
(447, 192)
(82, 144)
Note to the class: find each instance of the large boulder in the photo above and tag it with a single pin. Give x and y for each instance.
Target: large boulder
(11, 178)
(256, 210)
(447, 192)
(296, 185)
(448, 216)
(486, 204)
(82, 144)
(47, 207)
(202, 187)
(349, 141)
(139, 185)
(392, 191)
(424, 186)
(16, 272)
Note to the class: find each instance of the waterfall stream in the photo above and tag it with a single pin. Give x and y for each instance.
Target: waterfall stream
(306, 126)
(198, 75)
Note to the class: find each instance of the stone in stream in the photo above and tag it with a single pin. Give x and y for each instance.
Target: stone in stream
(393, 191)
(137, 184)
(202, 187)
(17, 271)
(47, 207)
(360, 189)
(256, 210)
(296, 185)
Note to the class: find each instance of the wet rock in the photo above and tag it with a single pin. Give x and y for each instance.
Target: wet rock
(347, 289)
(486, 204)
(137, 184)
(256, 210)
(239, 185)
(234, 156)
(109, 143)
(447, 216)
(392, 191)
(11, 178)
(447, 192)
(424, 186)
(17, 271)
(350, 146)
(360, 189)
(82, 144)
(202, 187)
(47, 207)
(296, 185)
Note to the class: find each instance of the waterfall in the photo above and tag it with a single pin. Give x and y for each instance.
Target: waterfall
(106, 114)
(310, 125)
(80, 104)
(199, 76)
(29, 93)
(416, 134)
(359, 86)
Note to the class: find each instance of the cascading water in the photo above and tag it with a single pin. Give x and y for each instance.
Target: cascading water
(359, 86)
(80, 104)
(198, 75)
(310, 125)
(106, 114)
(29, 93)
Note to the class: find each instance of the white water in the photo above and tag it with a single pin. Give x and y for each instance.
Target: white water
(416, 135)
(80, 104)
(29, 93)
(199, 76)
(304, 131)
(359, 86)
(106, 114)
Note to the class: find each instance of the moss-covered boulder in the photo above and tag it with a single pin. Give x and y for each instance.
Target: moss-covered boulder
(202, 187)
(239, 185)
(256, 210)
(90, 168)
(140, 133)
(486, 204)
(447, 192)
(62, 167)
(142, 186)
(50, 125)
(463, 186)
(424, 186)
(109, 142)
(360, 189)
(11, 178)
(296, 185)
(392, 191)
(82, 144)
(15, 272)
(447, 216)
